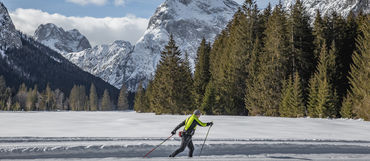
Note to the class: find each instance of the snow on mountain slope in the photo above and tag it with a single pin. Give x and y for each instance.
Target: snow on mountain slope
(105, 61)
(189, 21)
(343, 7)
(61, 41)
(24, 60)
(9, 36)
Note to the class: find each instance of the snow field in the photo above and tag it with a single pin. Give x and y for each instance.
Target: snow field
(129, 135)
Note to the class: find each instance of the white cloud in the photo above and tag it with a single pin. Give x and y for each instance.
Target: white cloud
(85, 2)
(97, 30)
(119, 2)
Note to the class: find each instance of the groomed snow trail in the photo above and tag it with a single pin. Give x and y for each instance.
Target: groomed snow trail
(128, 136)
(36, 148)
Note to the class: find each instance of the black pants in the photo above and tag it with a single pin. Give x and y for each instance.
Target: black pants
(185, 142)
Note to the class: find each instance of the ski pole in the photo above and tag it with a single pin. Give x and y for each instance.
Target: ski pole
(157, 146)
(204, 141)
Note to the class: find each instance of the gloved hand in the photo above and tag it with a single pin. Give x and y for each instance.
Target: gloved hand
(173, 132)
(210, 124)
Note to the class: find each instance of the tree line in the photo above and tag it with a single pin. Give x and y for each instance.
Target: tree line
(269, 63)
(31, 99)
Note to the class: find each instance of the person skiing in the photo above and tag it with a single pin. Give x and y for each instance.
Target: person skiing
(190, 125)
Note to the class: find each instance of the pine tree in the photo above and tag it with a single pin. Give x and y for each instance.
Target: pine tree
(322, 95)
(231, 65)
(73, 98)
(360, 74)
(93, 98)
(312, 108)
(139, 99)
(253, 92)
(163, 101)
(262, 21)
(301, 42)
(217, 61)
(202, 73)
(172, 82)
(209, 100)
(106, 101)
(319, 34)
(230, 55)
(292, 104)
(147, 97)
(185, 86)
(272, 64)
(82, 99)
(78, 100)
(217, 55)
(4, 93)
(285, 107)
(122, 99)
(333, 78)
(347, 108)
(297, 101)
(345, 33)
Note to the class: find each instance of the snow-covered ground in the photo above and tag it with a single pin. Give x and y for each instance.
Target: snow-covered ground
(128, 136)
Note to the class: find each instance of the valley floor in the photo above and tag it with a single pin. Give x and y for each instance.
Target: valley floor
(127, 136)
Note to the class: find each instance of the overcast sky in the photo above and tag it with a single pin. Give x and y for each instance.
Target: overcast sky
(101, 21)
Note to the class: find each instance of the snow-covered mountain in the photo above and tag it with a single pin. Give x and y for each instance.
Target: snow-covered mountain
(188, 20)
(59, 40)
(105, 61)
(343, 7)
(24, 60)
(9, 36)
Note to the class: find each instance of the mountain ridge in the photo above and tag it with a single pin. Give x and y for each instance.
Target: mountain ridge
(59, 40)
(189, 21)
(25, 60)
(9, 36)
(343, 7)
(197, 18)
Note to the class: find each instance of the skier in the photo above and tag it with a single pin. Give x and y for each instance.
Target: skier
(190, 125)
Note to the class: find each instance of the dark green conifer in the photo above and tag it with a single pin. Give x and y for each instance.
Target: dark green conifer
(322, 95)
(301, 43)
(202, 73)
(292, 104)
(172, 84)
(360, 74)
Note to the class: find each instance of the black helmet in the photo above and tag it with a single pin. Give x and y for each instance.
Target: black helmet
(196, 112)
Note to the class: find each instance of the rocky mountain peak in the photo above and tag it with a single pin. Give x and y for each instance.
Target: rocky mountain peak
(9, 36)
(105, 61)
(61, 41)
(343, 7)
(189, 21)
